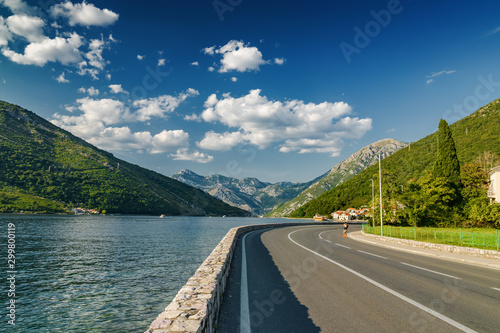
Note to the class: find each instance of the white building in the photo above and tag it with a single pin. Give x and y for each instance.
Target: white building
(494, 188)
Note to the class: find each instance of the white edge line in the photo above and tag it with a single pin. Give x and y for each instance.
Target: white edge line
(430, 270)
(347, 247)
(393, 292)
(244, 306)
(372, 254)
(495, 288)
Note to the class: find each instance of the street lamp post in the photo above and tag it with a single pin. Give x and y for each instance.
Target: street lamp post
(373, 204)
(380, 187)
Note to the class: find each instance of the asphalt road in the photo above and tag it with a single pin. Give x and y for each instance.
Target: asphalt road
(311, 279)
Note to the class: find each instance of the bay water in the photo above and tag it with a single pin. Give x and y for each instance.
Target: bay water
(93, 273)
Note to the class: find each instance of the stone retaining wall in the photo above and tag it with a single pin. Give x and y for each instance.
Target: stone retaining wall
(196, 306)
(442, 247)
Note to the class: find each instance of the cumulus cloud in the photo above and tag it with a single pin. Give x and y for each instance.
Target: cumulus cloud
(184, 155)
(26, 26)
(84, 14)
(220, 141)
(91, 91)
(279, 61)
(62, 79)
(236, 56)
(18, 6)
(123, 139)
(169, 140)
(293, 124)
(161, 62)
(195, 63)
(117, 88)
(59, 49)
(161, 105)
(102, 122)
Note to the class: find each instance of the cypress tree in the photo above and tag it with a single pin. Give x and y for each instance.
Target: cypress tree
(447, 165)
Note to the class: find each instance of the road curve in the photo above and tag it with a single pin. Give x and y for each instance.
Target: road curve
(311, 279)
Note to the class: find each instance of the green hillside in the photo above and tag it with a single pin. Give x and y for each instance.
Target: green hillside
(474, 136)
(46, 169)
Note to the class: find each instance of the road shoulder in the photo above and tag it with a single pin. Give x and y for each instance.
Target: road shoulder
(396, 244)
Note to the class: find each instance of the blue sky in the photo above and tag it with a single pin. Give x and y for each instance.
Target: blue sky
(278, 90)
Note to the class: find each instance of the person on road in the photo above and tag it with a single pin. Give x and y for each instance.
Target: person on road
(345, 229)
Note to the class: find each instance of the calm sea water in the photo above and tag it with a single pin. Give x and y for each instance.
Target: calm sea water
(102, 273)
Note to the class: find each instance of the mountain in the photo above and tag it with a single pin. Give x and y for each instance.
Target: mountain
(476, 136)
(340, 173)
(46, 169)
(249, 193)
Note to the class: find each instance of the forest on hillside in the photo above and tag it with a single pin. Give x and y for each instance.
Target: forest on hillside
(45, 169)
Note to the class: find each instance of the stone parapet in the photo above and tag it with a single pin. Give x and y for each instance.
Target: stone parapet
(196, 306)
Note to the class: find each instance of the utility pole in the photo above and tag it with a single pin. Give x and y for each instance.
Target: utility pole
(380, 187)
(373, 205)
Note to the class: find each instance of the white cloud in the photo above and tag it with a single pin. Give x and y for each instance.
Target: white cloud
(168, 141)
(223, 142)
(18, 6)
(211, 69)
(234, 79)
(84, 14)
(209, 50)
(117, 88)
(192, 117)
(94, 56)
(59, 49)
(238, 57)
(91, 91)
(332, 146)
(161, 105)
(26, 26)
(432, 76)
(97, 124)
(293, 124)
(195, 63)
(279, 61)
(5, 34)
(140, 57)
(184, 155)
(62, 79)
(161, 62)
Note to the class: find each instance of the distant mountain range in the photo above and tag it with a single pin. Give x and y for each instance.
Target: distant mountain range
(45, 169)
(249, 193)
(279, 199)
(341, 172)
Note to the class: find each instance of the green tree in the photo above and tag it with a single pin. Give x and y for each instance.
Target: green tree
(447, 165)
(474, 181)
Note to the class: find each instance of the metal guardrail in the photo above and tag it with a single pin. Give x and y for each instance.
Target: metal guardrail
(435, 235)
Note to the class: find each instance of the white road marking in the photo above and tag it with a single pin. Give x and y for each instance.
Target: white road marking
(244, 307)
(381, 286)
(372, 254)
(347, 247)
(495, 288)
(430, 270)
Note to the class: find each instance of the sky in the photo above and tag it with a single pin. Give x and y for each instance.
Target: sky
(277, 90)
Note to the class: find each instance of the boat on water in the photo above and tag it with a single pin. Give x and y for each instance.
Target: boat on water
(319, 217)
